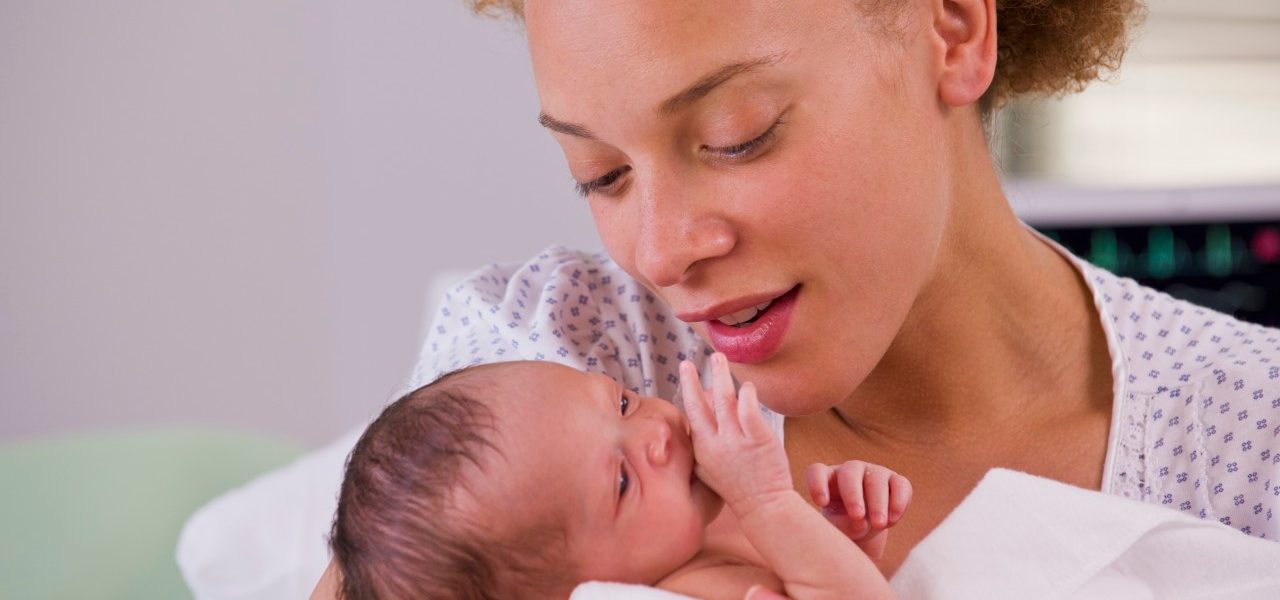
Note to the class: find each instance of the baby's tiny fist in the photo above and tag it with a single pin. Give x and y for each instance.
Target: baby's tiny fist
(859, 498)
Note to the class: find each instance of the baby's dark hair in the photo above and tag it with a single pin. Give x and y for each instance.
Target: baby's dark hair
(399, 531)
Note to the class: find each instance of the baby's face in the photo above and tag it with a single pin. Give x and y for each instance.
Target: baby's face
(616, 465)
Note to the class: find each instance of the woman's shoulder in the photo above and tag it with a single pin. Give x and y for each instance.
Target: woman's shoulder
(1212, 447)
(1203, 393)
(1165, 342)
(570, 306)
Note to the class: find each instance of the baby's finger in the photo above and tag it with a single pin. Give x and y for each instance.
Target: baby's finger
(874, 544)
(693, 398)
(817, 478)
(849, 481)
(758, 592)
(875, 486)
(749, 416)
(723, 397)
(899, 497)
(854, 529)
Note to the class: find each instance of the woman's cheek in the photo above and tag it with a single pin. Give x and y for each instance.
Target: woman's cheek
(618, 238)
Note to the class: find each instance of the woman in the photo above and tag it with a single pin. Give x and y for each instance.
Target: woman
(807, 185)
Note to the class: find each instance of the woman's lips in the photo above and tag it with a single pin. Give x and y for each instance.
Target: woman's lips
(758, 340)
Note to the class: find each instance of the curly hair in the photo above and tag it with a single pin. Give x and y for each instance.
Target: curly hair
(1057, 47)
(1044, 47)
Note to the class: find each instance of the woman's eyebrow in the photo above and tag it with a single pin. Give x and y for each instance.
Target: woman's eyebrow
(694, 92)
(710, 81)
(573, 129)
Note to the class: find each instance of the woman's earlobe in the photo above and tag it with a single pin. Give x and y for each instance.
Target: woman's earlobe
(967, 29)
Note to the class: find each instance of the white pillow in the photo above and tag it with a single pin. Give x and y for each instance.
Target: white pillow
(267, 539)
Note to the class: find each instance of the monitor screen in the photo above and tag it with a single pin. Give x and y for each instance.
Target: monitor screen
(1231, 267)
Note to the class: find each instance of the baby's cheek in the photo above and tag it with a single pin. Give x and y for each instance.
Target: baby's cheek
(686, 540)
(693, 535)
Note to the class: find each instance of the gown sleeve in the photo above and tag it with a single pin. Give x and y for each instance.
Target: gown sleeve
(572, 307)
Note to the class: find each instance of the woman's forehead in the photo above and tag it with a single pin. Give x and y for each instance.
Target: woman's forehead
(657, 46)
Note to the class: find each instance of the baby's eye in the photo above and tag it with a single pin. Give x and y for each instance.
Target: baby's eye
(623, 482)
(625, 403)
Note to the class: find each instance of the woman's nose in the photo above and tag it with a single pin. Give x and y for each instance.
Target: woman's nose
(674, 233)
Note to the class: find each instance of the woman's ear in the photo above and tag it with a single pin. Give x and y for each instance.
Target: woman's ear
(966, 31)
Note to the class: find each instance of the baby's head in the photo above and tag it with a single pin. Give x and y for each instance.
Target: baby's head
(518, 480)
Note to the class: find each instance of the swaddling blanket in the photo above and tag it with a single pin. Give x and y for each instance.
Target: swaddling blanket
(1021, 536)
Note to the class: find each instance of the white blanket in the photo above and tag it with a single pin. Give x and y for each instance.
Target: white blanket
(1017, 536)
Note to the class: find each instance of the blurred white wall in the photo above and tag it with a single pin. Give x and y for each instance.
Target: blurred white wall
(1196, 103)
(227, 213)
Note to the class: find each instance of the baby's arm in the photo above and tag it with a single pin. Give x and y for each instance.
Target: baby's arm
(741, 459)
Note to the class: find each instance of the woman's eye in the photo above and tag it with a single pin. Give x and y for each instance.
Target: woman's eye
(623, 482)
(746, 149)
(625, 403)
(600, 184)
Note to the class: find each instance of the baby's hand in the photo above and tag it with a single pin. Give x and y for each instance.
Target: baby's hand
(737, 455)
(860, 499)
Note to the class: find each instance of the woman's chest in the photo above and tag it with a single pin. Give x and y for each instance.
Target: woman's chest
(942, 475)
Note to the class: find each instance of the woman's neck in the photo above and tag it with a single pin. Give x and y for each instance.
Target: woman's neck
(1004, 324)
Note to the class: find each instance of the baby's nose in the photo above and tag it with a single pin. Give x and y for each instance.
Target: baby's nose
(660, 443)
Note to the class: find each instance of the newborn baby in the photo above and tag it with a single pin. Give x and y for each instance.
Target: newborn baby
(524, 479)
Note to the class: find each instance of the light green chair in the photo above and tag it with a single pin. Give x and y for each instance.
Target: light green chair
(98, 516)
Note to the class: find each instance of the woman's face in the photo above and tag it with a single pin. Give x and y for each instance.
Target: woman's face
(739, 152)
